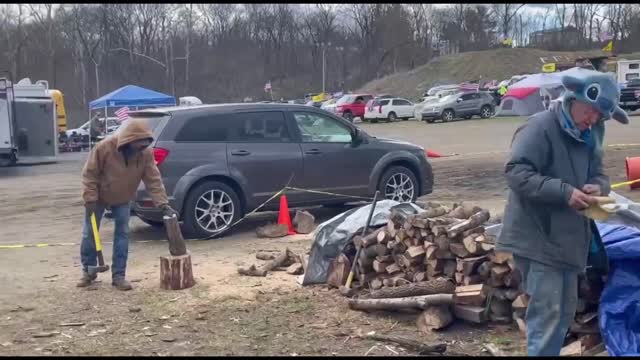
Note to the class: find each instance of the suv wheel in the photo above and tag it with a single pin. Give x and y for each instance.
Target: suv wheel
(448, 115)
(348, 115)
(485, 112)
(392, 117)
(210, 209)
(400, 184)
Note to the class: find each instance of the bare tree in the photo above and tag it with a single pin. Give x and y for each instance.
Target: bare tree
(505, 15)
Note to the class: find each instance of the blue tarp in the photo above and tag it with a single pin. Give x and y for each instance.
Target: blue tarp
(132, 95)
(619, 312)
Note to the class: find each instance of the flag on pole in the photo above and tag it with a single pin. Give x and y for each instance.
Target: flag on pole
(609, 47)
(122, 113)
(267, 86)
(467, 86)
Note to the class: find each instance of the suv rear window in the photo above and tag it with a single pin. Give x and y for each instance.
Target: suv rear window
(206, 128)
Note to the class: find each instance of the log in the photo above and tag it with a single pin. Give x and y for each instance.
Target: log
(251, 271)
(375, 284)
(487, 247)
(401, 235)
(476, 230)
(493, 350)
(471, 245)
(295, 269)
(177, 246)
(397, 218)
(384, 236)
(303, 222)
(385, 258)
(449, 268)
(500, 257)
(474, 314)
(393, 268)
(420, 348)
(176, 272)
(573, 349)
(499, 272)
(470, 266)
(458, 213)
(442, 242)
(380, 266)
(474, 295)
(415, 253)
(391, 229)
(472, 280)
(434, 318)
(444, 254)
(474, 221)
(263, 255)
(338, 271)
(410, 232)
(272, 231)
(395, 281)
(430, 251)
(365, 261)
(413, 302)
(365, 278)
(420, 276)
(439, 230)
(434, 212)
(420, 223)
(437, 286)
(371, 238)
(459, 250)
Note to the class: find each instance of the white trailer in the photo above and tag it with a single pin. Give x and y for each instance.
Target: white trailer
(627, 70)
(8, 147)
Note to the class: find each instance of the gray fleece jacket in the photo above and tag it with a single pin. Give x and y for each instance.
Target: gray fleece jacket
(548, 161)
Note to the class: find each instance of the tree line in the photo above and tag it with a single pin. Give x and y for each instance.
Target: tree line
(227, 52)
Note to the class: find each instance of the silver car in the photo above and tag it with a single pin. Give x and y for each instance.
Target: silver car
(462, 105)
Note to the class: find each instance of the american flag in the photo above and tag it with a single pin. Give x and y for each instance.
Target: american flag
(267, 86)
(122, 113)
(467, 86)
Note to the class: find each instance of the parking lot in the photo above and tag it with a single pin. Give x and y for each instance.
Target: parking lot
(224, 313)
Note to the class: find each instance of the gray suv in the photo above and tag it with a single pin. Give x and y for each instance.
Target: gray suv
(462, 105)
(219, 162)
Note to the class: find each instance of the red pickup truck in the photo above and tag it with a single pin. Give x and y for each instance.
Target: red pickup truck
(352, 105)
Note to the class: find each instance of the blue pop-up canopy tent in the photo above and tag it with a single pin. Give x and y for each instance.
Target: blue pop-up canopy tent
(132, 95)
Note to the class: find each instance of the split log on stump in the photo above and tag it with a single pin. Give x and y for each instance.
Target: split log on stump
(251, 271)
(474, 221)
(474, 314)
(459, 250)
(295, 269)
(338, 271)
(470, 265)
(303, 222)
(419, 347)
(413, 302)
(500, 257)
(272, 231)
(434, 318)
(436, 286)
(176, 272)
(177, 246)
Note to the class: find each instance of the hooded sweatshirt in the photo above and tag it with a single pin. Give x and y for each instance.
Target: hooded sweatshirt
(549, 159)
(111, 178)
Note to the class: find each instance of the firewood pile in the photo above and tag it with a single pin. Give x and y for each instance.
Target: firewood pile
(443, 251)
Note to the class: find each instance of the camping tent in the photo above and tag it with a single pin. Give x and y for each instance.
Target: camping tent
(132, 95)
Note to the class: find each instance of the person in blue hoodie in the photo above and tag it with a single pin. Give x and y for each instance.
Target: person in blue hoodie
(554, 171)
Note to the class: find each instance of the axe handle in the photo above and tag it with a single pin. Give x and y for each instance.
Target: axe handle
(96, 237)
(364, 231)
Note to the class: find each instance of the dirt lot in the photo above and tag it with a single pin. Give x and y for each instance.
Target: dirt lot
(225, 314)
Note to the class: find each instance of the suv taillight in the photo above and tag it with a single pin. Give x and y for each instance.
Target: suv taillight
(160, 154)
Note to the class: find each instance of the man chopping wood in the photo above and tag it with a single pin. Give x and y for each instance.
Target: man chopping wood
(111, 177)
(554, 172)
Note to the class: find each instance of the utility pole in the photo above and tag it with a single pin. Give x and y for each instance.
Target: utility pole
(323, 67)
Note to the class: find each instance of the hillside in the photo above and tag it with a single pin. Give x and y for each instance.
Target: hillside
(491, 64)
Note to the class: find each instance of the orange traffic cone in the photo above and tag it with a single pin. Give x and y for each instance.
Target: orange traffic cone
(283, 216)
(433, 154)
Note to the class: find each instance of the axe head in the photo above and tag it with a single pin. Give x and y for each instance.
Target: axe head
(93, 270)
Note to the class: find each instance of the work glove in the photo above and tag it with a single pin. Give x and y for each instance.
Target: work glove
(168, 211)
(91, 207)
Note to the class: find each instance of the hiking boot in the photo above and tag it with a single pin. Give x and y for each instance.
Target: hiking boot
(121, 284)
(86, 280)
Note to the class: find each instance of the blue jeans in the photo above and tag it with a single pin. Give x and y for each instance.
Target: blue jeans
(88, 252)
(553, 299)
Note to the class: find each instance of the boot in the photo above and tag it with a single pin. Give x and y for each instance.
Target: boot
(86, 280)
(121, 284)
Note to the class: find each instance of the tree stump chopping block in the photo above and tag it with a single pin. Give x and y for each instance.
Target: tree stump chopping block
(176, 272)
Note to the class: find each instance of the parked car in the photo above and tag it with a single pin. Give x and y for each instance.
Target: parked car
(352, 105)
(219, 162)
(417, 110)
(329, 105)
(461, 105)
(630, 96)
(112, 125)
(388, 109)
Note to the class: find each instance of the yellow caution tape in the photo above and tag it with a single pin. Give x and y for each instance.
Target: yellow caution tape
(34, 245)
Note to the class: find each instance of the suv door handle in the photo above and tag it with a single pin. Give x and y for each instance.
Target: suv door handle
(240, 153)
(313, 152)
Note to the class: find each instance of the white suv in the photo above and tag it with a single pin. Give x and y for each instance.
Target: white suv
(388, 109)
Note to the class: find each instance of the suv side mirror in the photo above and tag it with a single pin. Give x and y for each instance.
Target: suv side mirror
(356, 137)
(459, 100)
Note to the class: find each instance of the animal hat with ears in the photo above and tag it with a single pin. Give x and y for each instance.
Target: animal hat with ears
(598, 89)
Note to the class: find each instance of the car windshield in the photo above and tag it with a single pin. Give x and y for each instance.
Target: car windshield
(347, 99)
(446, 98)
